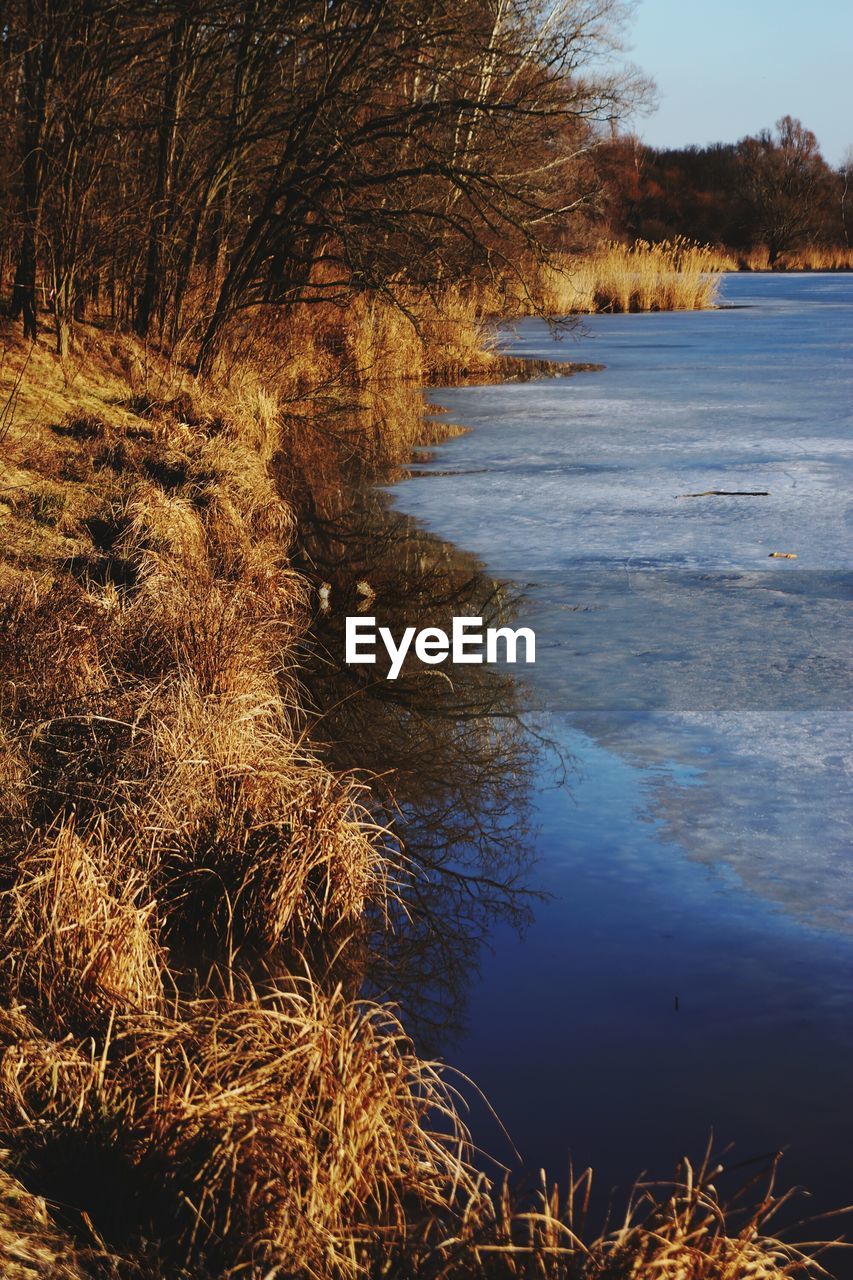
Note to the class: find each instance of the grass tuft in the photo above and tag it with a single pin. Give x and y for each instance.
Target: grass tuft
(79, 933)
(252, 842)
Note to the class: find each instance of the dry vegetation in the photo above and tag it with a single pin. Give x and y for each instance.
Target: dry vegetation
(809, 258)
(669, 276)
(180, 1095)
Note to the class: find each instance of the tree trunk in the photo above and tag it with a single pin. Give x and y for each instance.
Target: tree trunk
(37, 70)
(24, 287)
(172, 101)
(61, 328)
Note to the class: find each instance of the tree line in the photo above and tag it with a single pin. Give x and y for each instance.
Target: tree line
(773, 190)
(175, 163)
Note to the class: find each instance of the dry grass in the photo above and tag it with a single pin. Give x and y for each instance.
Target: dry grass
(299, 1129)
(670, 276)
(79, 933)
(31, 1247)
(380, 342)
(299, 1134)
(291, 1133)
(208, 602)
(51, 647)
(14, 781)
(681, 1230)
(251, 841)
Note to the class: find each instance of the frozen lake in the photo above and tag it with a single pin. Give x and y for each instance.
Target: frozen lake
(693, 965)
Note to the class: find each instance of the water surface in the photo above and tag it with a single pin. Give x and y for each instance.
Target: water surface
(693, 965)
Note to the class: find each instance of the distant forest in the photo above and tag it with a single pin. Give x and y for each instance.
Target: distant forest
(773, 191)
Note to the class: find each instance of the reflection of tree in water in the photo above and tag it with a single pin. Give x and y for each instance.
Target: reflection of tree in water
(445, 749)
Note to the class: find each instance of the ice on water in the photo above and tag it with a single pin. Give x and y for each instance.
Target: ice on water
(663, 626)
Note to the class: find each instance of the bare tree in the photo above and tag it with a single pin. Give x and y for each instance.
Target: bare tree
(415, 144)
(846, 172)
(783, 177)
(253, 153)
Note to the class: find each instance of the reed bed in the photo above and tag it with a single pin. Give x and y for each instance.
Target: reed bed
(806, 258)
(182, 1095)
(673, 275)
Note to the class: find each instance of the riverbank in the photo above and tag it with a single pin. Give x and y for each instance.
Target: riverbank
(182, 1090)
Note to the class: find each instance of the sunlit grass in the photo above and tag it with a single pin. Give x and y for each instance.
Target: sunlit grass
(672, 275)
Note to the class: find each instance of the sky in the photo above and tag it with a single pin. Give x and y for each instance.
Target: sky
(725, 68)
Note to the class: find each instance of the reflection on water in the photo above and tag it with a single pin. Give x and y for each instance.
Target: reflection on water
(448, 758)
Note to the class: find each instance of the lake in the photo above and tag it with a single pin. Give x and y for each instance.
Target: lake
(691, 967)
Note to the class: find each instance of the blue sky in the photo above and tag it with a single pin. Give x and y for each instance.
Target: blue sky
(725, 68)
